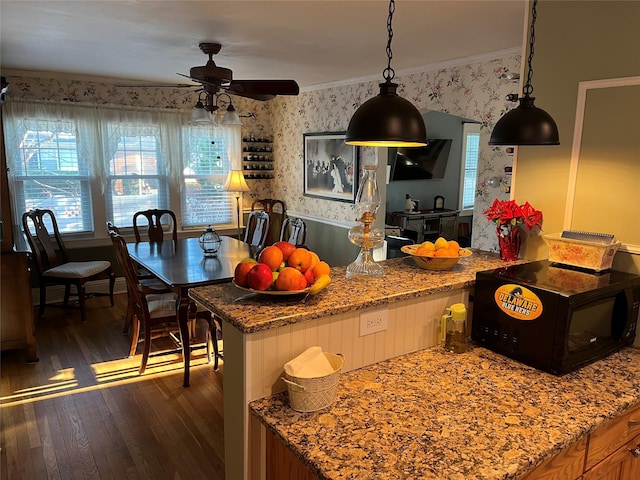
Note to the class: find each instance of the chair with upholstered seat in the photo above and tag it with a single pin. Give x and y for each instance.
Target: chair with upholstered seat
(257, 228)
(155, 229)
(294, 231)
(52, 262)
(151, 283)
(152, 311)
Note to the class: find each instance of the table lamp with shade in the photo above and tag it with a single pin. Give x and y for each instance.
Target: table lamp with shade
(236, 183)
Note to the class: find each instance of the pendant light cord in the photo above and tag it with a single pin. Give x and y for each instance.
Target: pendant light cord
(528, 88)
(388, 73)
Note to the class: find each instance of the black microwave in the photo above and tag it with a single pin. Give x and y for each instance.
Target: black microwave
(553, 317)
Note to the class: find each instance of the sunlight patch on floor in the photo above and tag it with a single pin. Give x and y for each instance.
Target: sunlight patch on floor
(106, 374)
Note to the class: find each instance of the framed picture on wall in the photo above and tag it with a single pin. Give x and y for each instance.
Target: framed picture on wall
(330, 167)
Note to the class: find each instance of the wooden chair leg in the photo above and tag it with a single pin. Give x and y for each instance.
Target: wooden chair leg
(146, 350)
(67, 294)
(82, 300)
(112, 283)
(216, 353)
(134, 335)
(43, 298)
(128, 317)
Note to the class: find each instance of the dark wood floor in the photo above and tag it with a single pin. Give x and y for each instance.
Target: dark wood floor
(83, 412)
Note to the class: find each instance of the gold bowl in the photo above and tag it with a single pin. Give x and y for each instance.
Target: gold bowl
(434, 263)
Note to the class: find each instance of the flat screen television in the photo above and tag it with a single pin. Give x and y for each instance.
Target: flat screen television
(421, 163)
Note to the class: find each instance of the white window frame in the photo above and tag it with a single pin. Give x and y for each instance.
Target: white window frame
(469, 129)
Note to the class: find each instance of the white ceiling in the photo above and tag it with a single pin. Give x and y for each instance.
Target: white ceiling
(312, 42)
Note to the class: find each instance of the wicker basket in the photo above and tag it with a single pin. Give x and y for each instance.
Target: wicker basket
(312, 394)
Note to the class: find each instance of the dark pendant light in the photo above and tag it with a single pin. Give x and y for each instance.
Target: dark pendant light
(526, 124)
(387, 120)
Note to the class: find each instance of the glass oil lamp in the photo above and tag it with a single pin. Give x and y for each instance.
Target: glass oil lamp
(209, 242)
(366, 236)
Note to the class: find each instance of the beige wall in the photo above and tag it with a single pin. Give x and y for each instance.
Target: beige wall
(576, 42)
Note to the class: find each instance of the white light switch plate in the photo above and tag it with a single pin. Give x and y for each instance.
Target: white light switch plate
(373, 321)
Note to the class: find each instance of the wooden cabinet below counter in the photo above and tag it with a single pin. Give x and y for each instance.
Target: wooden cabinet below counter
(611, 452)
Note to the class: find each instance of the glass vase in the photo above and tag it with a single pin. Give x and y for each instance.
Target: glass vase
(509, 241)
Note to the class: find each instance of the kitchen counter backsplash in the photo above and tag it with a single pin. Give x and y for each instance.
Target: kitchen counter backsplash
(436, 415)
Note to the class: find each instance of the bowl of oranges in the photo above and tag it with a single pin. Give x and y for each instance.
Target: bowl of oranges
(442, 254)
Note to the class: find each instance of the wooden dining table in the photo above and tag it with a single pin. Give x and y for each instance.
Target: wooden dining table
(182, 265)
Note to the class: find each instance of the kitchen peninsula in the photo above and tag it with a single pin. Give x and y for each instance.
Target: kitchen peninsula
(262, 333)
(477, 415)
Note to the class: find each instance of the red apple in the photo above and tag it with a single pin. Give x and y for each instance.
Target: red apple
(272, 257)
(260, 277)
(286, 247)
(308, 275)
(241, 271)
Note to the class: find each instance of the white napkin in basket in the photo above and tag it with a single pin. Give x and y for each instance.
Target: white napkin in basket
(309, 364)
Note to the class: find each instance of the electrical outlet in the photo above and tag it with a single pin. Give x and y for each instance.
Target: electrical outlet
(373, 321)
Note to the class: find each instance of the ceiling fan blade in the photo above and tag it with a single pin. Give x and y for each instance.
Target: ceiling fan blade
(151, 85)
(188, 93)
(255, 96)
(215, 86)
(264, 87)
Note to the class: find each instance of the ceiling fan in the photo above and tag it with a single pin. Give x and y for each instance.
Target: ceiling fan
(215, 80)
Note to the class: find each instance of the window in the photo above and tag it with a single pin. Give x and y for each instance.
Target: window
(137, 176)
(470, 150)
(50, 175)
(58, 154)
(207, 161)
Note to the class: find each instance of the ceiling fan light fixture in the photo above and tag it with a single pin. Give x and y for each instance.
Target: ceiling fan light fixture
(387, 120)
(199, 115)
(526, 124)
(231, 117)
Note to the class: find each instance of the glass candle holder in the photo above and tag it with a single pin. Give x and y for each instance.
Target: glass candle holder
(366, 236)
(209, 242)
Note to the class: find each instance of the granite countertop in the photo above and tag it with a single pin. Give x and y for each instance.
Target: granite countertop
(402, 280)
(436, 415)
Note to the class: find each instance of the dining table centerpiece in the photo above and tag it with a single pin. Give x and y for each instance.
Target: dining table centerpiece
(510, 218)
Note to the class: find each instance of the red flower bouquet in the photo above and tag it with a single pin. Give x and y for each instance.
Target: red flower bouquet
(508, 216)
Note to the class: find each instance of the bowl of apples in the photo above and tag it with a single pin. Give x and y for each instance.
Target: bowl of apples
(283, 269)
(442, 254)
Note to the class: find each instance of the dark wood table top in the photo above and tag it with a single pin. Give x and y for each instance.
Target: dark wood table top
(183, 264)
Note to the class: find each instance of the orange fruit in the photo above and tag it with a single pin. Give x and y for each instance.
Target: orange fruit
(443, 252)
(441, 243)
(314, 259)
(300, 259)
(321, 268)
(453, 245)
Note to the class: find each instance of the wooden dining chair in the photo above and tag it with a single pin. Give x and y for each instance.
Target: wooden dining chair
(153, 312)
(53, 265)
(257, 228)
(145, 278)
(155, 229)
(277, 213)
(294, 231)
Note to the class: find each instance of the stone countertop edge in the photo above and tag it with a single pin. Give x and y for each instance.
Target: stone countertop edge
(434, 415)
(402, 280)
